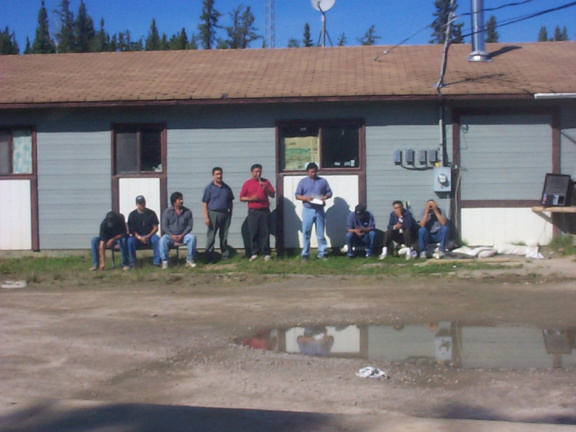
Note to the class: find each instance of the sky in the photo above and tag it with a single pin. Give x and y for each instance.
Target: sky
(393, 20)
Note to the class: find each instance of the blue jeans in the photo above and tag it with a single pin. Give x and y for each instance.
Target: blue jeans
(166, 241)
(441, 236)
(134, 243)
(95, 246)
(311, 216)
(366, 240)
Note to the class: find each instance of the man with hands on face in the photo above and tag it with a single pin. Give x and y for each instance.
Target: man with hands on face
(433, 228)
(313, 191)
(255, 191)
(360, 228)
(400, 226)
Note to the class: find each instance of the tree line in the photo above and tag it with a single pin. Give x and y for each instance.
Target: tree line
(77, 33)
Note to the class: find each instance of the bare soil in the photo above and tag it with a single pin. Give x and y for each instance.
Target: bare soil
(174, 345)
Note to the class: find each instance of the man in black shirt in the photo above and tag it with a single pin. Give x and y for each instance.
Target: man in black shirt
(112, 231)
(143, 225)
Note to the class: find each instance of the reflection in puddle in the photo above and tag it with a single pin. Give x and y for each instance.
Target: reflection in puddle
(464, 345)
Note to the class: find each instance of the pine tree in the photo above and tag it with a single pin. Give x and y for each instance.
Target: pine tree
(560, 35)
(342, 40)
(179, 41)
(369, 37)
(307, 40)
(193, 44)
(42, 43)
(209, 24)
(543, 35)
(65, 36)
(101, 41)
(242, 30)
(28, 49)
(293, 43)
(83, 29)
(153, 39)
(442, 14)
(164, 44)
(491, 33)
(8, 44)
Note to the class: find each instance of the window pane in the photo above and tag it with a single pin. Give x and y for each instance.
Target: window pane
(299, 146)
(126, 152)
(22, 154)
(5, 154)
(340, 147)
(151, 150)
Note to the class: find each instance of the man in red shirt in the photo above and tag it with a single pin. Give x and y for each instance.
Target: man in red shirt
(255, 192)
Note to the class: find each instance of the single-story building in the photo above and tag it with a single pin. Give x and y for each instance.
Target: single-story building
(81, 134)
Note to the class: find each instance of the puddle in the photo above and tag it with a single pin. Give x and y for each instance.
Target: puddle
(462, 345)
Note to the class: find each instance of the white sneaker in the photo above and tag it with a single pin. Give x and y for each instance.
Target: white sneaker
(438, 255)
(408, 254)
(254, 257)
(383, 254)
(404, 251)
(267, 258)
(164, 265)
(190, 263)
(423, 255)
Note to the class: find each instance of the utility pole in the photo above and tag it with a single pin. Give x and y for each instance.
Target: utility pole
(269, 31)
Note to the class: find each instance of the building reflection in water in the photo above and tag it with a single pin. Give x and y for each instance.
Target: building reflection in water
(467, 345)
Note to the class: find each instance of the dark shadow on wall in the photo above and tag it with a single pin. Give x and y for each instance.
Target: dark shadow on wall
(292, 224)
(336, 223)
(52, 417)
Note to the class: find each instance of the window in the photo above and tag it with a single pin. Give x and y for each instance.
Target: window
(330, 145)
(138, 149)
(16, 152)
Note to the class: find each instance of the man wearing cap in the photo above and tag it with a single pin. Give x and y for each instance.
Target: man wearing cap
(360, 228)
(217, 208)
(143, 226)
(313, 191)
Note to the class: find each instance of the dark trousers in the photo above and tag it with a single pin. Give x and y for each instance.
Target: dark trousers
(219, 223)
(259, 226)
(395, 235)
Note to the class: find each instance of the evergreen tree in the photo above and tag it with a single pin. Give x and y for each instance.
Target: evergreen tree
(164, 44)
(65, 36)
(28, 49)
(101, 41)
(293, 43)
(369, 37)
(209, 24)
(560, 35)
(491, 33)
(8, 44)
(242, 30)
(193, 44)
(124, 42)
(341, 40)
(307, 40)
(543, 35)
(83, 29)
(42, 43)
(179, 41)
(153, 39)
(442, 14)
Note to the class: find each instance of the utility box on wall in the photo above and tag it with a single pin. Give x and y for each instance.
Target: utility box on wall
(442, 179)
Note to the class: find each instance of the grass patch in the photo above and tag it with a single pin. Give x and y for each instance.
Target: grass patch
(563, 245)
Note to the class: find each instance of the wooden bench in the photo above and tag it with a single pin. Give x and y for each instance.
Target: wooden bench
(175, 246)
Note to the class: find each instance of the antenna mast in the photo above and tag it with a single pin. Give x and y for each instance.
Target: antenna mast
(269, 37)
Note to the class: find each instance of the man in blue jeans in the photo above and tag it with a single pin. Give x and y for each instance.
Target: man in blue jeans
(433, 228)
(177, 225)
(313, 191)
(112, 232)
(360, 228)
(143, 225)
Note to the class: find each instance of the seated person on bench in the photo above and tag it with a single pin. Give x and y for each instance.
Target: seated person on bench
(143, 225)
(433, 228)
(112, 232)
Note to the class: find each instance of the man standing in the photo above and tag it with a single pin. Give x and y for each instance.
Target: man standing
(313, 191)
(217, 208)
(400, 227)
(177, 224)
(112, 232)
(360, 228)
(255, 192)
(433, 227)
(143, 225)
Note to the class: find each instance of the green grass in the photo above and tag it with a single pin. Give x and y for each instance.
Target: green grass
(563, 245)
(75, 269)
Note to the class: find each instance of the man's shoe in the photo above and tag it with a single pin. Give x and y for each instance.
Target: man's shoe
(383, 254)
(267, 258)
(323, 258)
(254, 257)
(304, 258)
(164, 265)
(93, 268)
(368, 255)
(438, 255)
(423, 255)
(125, 268)
(190, 263)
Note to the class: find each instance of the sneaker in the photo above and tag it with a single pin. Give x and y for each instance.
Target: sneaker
(438, 255)
(423, 255)
(254, 257)
(164, 265)
(190, 263)
(93, 268)
(267, 258)
(404, 251)
(383, 254)
(125, 268)
(414, 253)
(323, 258)
(368, 255)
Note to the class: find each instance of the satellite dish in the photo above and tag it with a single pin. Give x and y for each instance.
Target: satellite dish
(322, 5)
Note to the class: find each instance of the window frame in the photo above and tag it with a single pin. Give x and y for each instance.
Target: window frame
(10, 130)
(321, 125)
(138, 128)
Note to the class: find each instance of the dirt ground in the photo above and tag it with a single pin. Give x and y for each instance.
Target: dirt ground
(114, 350)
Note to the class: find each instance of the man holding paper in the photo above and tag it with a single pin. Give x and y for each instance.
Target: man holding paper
(313, 191)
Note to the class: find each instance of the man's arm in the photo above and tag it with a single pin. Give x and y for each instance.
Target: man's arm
(205, 211)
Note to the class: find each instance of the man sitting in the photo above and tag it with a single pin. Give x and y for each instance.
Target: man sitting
(360, 228)
(433, 228)
(143, 225)
(399, 230)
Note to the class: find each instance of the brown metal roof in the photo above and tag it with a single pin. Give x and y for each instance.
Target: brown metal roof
(225, 76)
